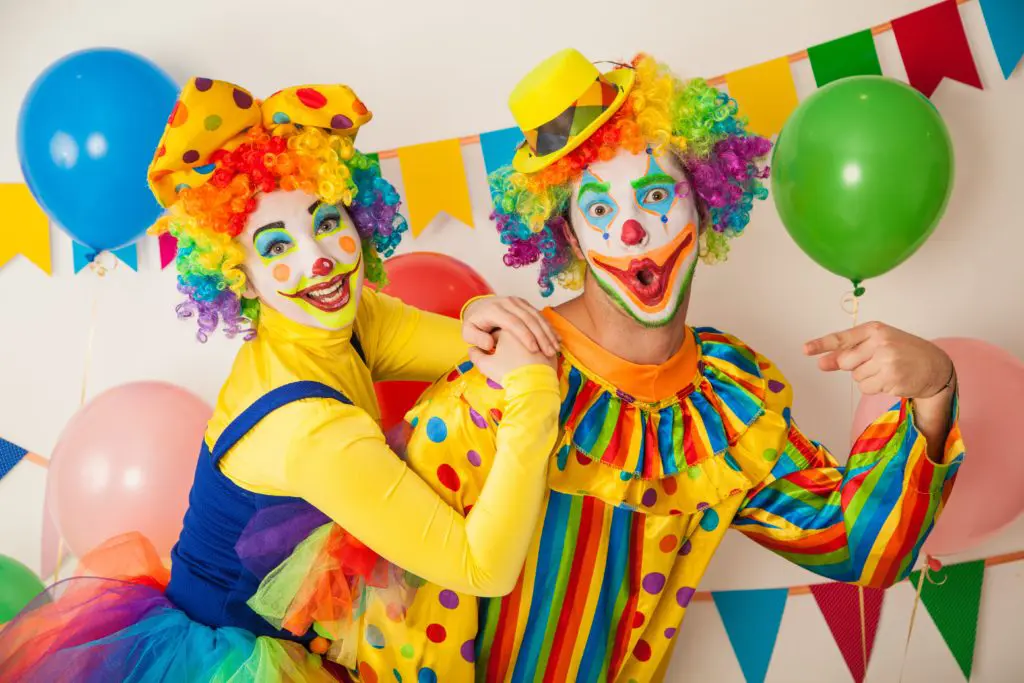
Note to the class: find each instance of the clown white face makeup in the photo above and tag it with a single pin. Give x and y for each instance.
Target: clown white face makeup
(303, 258)
(636, 221)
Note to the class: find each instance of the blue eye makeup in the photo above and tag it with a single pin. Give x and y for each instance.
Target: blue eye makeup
(657, 195)
(326, 220)
(596, 204)
(272, 241)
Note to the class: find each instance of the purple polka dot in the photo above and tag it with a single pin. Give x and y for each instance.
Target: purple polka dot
(448, 599)
(650, 497)
(468, 651)
(493, 385)
(242, 99)
(203, 84)
(477, 419)
(341, 122)
(670, 633)
(687, 547)
(474, 458)
(654, 582)
(775, 385)
(702, 506)
(190, 157)
(684, 595)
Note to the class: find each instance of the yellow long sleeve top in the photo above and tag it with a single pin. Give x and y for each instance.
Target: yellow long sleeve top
(335, 457)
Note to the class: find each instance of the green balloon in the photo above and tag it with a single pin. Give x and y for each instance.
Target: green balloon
(18, 587)
(861, 174)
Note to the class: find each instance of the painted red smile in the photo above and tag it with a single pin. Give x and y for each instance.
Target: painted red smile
(330, 296)
(644, 277)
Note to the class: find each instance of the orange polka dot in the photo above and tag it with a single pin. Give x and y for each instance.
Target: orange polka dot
(281, 272)
(319, 645)
(347, 244)
(366, 673)
(668, 544)
(359, 108)
(179, 115)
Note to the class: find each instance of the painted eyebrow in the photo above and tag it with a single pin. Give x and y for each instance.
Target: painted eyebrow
(593, 187)
(276, 225)
(314, 206)
(653, 179)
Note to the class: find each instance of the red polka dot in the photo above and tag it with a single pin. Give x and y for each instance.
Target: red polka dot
(453, 375)
(467, 509)
(496, 415)
(668, 544)
(313, 99)
(638, 619)
(366, 673)
(359, 108)
(582, 459)
(642, 651)
(448, 477)
(179, 115)
(160, 151)
(671, 485)
(436, 633)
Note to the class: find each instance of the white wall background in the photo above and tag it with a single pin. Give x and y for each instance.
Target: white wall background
(442, 69)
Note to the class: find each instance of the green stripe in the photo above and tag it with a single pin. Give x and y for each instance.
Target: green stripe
(561, 583)
(611, 421)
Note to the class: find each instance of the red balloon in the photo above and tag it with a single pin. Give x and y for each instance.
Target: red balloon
(432, 282)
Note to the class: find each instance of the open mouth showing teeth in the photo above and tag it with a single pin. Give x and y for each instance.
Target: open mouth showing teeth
(327, 296)
(645, 278)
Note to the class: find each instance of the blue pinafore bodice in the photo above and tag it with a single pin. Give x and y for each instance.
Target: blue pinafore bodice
(209, 580)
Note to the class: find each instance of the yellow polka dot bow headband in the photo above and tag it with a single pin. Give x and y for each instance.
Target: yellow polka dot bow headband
(214, 115)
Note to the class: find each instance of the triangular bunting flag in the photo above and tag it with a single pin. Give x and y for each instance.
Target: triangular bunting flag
(24, 226)
(435, 181)
(499, 146)
(934, 46)
(10, 455)
(83, 256)
(854, 55)
(1005, 21)
(752, 620)
(766, 94)
(168, 249)
(952, 596)
(854, 631)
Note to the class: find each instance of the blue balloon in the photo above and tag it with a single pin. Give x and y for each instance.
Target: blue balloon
(87, 132)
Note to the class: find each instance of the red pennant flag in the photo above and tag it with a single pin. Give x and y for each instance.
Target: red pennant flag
(840, 605)
(934, 46)
(168, 249)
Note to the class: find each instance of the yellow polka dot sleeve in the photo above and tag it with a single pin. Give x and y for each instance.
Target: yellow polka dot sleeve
(344, 467)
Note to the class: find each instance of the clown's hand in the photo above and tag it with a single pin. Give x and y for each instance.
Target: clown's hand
(885, 360)
(484, 317)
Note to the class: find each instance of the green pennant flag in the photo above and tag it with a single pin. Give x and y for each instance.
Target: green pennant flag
(853, 55)
(952, 596)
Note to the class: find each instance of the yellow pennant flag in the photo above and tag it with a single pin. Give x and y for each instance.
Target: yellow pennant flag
(766, 94)
(24, 228)
(435, 181)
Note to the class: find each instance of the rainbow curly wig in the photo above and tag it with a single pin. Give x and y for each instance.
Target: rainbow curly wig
(206, 219)
(694, 121)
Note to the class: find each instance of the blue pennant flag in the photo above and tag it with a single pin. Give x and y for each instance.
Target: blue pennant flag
(752, 620)
(1005, 21)
(10, 455)
(83, 256)
(499, 147)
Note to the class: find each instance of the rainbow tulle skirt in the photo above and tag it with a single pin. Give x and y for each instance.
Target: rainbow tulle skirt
(104, 630)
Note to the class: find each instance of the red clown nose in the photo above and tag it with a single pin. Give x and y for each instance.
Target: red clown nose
(633, 233)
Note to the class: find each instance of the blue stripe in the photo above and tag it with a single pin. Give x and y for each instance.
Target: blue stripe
(643, 444)
(590, 426)
(595, 654)
(731, 354)
(712, 422)
(549, 557)
(575, 380)
(665, 447)
(735, 397)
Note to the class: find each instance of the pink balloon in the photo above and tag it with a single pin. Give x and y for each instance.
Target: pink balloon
(125, 462)
(989, 491)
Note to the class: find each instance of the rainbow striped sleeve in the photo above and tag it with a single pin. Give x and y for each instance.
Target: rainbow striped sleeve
(863, 523)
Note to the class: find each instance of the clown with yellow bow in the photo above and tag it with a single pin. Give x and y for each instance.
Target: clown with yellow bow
(280, 222)
(669, 435)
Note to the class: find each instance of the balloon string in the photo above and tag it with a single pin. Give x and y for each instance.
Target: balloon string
(863, 628)
(913, 615)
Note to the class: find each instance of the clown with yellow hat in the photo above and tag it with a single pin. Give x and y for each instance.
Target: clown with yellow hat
(279, 222)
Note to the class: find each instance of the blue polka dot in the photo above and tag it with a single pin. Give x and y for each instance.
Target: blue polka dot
(786, 416)
(374, 637)
(208, 168)
(731, 462)
(182, 186)
(281, 118)
(437, 430)
(415, 421)
(625, 476)
(426, 676)
(709, 522)
(398, 676)
(465, 367)
(563, 457)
